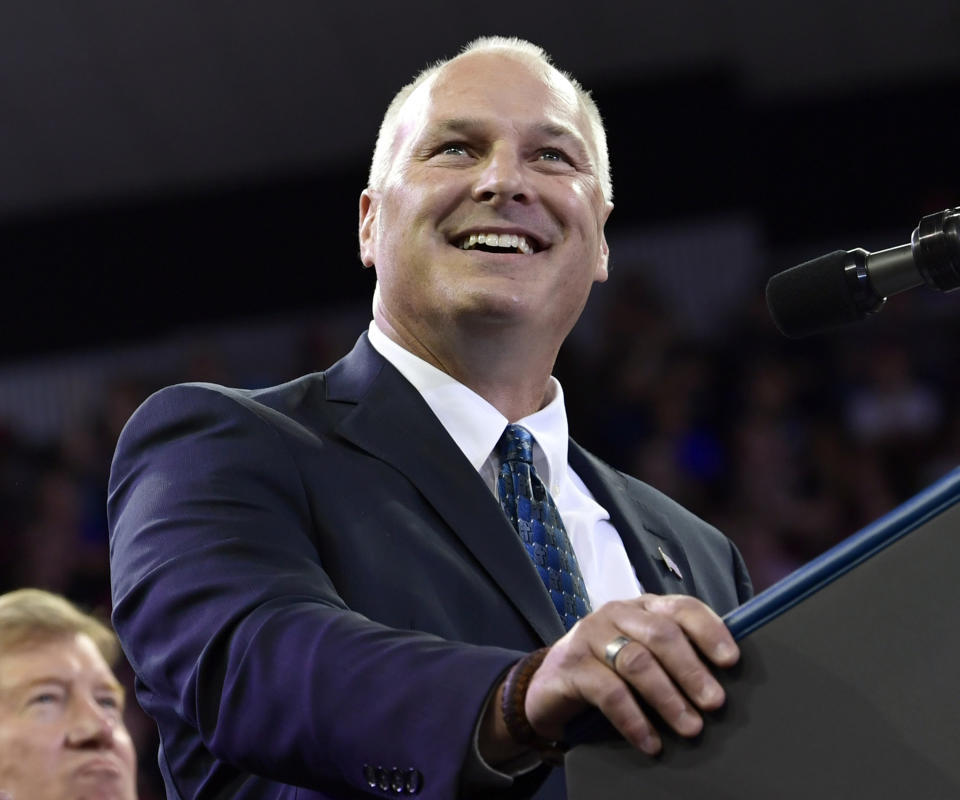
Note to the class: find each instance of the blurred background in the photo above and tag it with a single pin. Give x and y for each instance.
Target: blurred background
(178, 201)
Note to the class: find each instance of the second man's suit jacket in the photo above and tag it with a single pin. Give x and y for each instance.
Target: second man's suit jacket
(317, 591)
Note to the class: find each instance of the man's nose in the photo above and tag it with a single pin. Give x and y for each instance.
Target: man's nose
(91, 725)
(502, 179)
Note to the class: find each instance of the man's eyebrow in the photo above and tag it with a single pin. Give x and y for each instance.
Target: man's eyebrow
(456, 125)
(573, 138)
(113, 686)
(556, 130)
(42, 680)
(31, 681)
(472, 125)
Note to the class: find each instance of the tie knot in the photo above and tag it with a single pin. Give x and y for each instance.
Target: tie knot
(516, 444)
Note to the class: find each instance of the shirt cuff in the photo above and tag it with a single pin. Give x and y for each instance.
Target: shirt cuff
(478, 773)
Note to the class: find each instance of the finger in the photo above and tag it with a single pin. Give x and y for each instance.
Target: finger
(660, 638)
(599, 686)
(569, 680)
(663, 684)
(702, 625)
(662, 664)
(618, 704)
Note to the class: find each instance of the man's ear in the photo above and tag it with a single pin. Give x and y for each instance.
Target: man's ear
(604, 258)
(369, 206)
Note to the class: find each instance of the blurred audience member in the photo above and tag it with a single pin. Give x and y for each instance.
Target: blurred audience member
(62, 734)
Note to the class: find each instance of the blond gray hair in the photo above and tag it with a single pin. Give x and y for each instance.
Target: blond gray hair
(380, 165)
(35, 615)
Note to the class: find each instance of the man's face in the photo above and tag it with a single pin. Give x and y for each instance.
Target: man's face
(62, 735)
(495, 144)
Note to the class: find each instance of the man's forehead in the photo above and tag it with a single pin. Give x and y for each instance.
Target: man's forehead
(477, 72)
(53, 658)
(444, 99)
(473, 65)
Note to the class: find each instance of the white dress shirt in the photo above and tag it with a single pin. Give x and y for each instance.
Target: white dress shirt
(476, 427)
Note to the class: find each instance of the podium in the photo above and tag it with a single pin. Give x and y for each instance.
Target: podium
(848, 684)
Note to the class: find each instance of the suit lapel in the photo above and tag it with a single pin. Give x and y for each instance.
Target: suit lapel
(392, 422)
(655, 553)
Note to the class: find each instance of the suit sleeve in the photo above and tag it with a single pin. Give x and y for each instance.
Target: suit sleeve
(235, 629)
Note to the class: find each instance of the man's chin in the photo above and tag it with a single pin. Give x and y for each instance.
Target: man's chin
(103, 785)
(491, 311)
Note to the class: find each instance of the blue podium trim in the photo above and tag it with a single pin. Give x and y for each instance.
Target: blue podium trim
(846, 555)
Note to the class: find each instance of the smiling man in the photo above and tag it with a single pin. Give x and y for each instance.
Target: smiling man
(400, 575)
(487, 226)
(62, 735)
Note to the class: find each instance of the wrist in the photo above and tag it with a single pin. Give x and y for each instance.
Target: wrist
(512, 705)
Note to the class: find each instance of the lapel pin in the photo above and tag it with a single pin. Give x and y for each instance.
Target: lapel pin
(671, 564)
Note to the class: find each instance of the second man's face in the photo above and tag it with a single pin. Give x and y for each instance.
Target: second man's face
(492, 211)
(62, 735)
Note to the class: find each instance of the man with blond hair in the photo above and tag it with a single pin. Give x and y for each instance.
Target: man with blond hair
(400, 575)
(62, 735)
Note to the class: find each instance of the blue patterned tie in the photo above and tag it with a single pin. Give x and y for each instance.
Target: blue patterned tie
(529, 506)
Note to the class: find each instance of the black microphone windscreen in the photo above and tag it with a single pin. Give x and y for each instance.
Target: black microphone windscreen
(812, 297)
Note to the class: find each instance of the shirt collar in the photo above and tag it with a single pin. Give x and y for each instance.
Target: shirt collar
(474, 424)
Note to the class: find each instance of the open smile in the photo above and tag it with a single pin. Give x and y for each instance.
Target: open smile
(499, 243)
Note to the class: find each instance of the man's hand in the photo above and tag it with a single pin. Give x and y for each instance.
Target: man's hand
(670, 638)
(661, 663)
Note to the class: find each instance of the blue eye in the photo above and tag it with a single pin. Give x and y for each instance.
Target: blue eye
(551, 154)
(453, 149)
(45, 699)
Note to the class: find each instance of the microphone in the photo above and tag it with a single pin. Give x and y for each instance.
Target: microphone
(849, 285)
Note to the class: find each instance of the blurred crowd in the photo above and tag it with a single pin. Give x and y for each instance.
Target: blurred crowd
(788, 447)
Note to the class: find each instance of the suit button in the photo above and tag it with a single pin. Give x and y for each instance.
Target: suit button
(383, 779)
(414, 781)
(397, 782)
(370, 776)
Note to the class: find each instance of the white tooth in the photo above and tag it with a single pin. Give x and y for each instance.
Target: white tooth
(505, 240)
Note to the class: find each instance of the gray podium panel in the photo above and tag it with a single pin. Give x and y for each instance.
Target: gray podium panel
(854, 692)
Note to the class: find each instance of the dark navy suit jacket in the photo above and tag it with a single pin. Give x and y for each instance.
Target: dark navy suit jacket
(317, 591)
